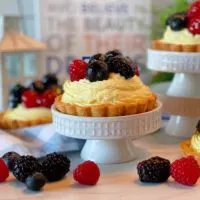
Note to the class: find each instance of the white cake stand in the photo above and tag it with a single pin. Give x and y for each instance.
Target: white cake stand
(186, 83)
(109, 139)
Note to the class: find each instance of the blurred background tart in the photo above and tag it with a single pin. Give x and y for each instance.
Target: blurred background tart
(31, 105)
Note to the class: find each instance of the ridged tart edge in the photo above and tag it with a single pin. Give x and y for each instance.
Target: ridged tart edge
(159, 45)
(107, 110)
(6, 123)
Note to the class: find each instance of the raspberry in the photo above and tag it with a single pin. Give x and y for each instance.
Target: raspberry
(46, 99)
(4, 172)
(194, 10)
(87, 173)
(185, 171)
(29, 98)
(77, 70)
(194, 26)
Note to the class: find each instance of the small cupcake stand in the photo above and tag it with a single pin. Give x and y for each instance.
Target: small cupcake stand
(108, 139)
(182, 100)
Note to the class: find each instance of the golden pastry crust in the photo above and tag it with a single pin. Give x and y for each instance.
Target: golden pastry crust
(6, 123)
(159, 45)
(107, 110)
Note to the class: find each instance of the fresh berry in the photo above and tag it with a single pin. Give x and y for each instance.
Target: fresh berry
(134, 65)
(14, 101)
(37, 86)
(35, 182)
(177, 21)
(194, 10)
(198, 126)
(29, 98)
(194, 26)
(98, 56)
(46, 99)
(25, 166)
(87, 173)
(121, 65)
(154, 170)
(55, 166)
(17, 90)
(77, 70)
(4, 172)
(97, 71)
(10, 158)
(49, 79)
(185, 171)
(113, 53)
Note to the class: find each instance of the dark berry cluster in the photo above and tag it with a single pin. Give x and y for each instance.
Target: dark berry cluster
(101, 65)
(38, 93)
(189, 19)
(35, 173)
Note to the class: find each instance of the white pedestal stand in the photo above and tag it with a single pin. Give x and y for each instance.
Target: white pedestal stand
(109, 139)
(186, 83)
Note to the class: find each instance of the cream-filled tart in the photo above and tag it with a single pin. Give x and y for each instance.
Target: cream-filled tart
(30, 105)
(110, 88)
(182, 32)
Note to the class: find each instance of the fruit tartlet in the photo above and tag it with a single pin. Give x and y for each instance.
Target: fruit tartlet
(182, 33)
(108, 85)
(29, 106)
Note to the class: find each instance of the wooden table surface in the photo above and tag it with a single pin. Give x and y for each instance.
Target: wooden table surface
(118, 182)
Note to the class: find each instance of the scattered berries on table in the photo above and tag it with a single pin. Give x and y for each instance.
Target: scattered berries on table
(37, 86)
(29, 98)
(10, 158)
(55, 166)
(87, 173)
(154, 170)
(25, 166)
(4, 172)
(97, 71)
(77, 70)
(35, 182)
(194, 10)
(97, 56)
(49, 79)
(185, 171)
(194, 26)
(112, 53)
(177, 21)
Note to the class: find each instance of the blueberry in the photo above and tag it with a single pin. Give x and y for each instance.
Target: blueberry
(121, 65)
(10, 158)
(97, 56)
(112, 53)
(97, 71)
(17, 90)
(35, 182)
(177, 21)
(14, 101)
(37, 86)
(49, 80)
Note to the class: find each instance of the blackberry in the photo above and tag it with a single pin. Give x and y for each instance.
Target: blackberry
(97, 71)
(37, 86)
(25, 166)
(95, 57)
(49, 80)
(198, 126)
(10, 158)
(177, 21)
(154, 170)
(121, 65)
(35, 182)
(55, 166)
(17, 90)
(113, 53)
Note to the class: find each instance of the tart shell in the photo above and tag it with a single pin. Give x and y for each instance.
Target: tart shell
(6, 123)
(159, 45)
(107, 110)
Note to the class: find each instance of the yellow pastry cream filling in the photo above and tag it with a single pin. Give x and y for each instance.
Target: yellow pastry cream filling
(27, 114)
(195, 142)
(180, 37)
(116, 89)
